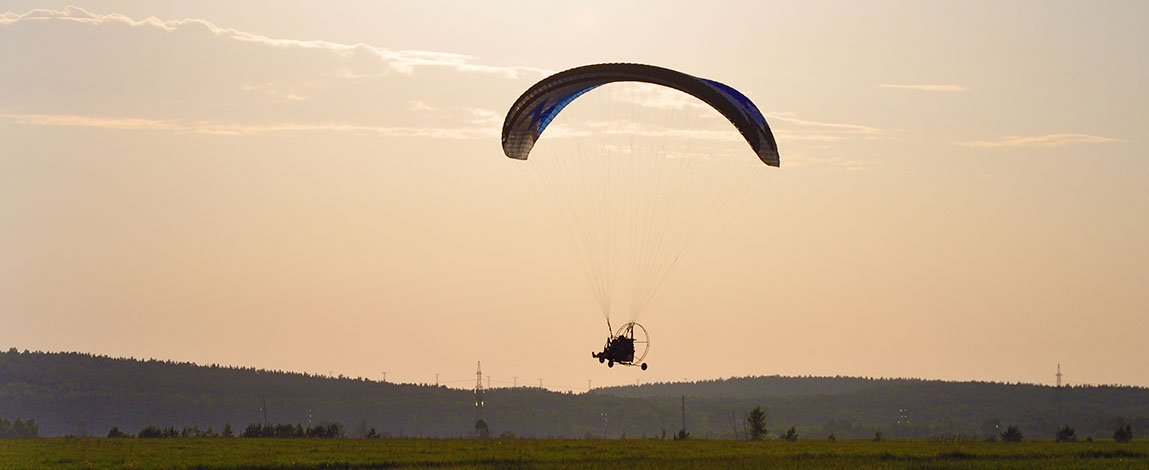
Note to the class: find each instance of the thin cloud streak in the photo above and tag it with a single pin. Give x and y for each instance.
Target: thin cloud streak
(1049, 140)
(70, 120)
(924, 87)
(237, 129)
(845, 128)
(404, 61)
(835, 163)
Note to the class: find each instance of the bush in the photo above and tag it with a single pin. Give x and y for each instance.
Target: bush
(115, 432)
(1124, 434)
(1066, 434)
(1012, 434)
(19, 428)
(253, 430)
(153, 432)
(791, 435)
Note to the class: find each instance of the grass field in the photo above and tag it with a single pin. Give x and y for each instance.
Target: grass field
(69, 453)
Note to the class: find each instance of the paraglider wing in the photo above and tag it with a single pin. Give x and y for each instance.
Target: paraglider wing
(539, 105)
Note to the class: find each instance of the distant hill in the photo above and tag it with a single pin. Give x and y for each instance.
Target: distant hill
(68, 393)
(756, 387)
(855, 407)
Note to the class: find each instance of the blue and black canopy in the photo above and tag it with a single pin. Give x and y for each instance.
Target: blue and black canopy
(539, 105)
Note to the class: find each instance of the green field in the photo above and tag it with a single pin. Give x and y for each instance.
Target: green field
(70, 453)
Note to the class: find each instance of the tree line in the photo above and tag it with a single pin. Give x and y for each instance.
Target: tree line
(18, 428)
(755, 430)
(69, 393)
(282, 430)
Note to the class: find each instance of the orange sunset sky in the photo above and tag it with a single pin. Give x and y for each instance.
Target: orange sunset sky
(319, 187)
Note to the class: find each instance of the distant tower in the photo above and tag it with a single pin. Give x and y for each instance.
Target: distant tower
(1057, 391)
(478, 391)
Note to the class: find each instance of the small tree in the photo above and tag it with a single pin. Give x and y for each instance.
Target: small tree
(253, 430)
(151, 432)
(116, 432)
(1066, 434)
(682, 435)
(757, 422)
(227, 431)
(481, 429)
(878, 436)
(1012, 434)
(1124, 434)
(25, 429)
(791, 435)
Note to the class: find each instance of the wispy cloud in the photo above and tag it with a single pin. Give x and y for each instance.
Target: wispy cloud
(793, 128)
(485, 117)
(237, 129)
(274, 92)
(132, 124)
(654, 96)
(835, 163)
(924, 87)
(1048, 140)
(404, 61)
(417, 105)
(243, 129)
(839, 127)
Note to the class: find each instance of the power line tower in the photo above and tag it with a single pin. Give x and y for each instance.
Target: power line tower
(1057, 392)
(478, 391)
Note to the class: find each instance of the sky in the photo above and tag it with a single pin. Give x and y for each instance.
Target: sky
(319, 187)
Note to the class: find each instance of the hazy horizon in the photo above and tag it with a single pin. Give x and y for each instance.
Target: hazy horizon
(321, 189)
